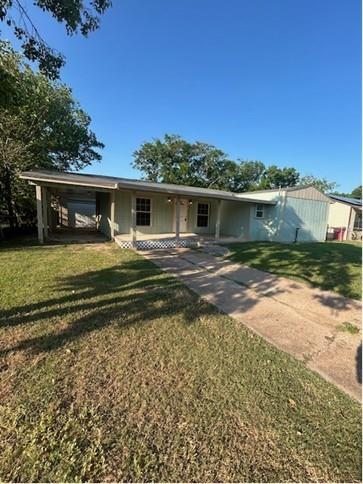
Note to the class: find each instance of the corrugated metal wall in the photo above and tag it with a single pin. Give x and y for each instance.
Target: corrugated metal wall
(310, 216)
(308, 193)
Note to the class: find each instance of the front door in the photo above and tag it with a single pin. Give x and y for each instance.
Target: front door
(183, 215)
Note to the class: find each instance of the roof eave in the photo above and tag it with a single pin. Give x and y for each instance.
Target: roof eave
(42, 179)
(185, 192)
(137, 186)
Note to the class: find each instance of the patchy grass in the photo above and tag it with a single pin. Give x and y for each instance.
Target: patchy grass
(113, 371)
(333, 266)
(349, 328)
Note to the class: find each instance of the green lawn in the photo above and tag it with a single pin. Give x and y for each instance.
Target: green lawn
(113, 371)
(331, 265)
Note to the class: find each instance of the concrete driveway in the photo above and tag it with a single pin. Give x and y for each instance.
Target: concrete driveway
(306, 322)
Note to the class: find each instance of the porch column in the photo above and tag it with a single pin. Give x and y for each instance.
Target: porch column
(113, 215)
(133, 219)
(218, 220)
(45, 211)
(38, 193)
(50, 211)
(177, 221)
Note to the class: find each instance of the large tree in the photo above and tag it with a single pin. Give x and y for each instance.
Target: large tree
(41, 126)
(78, 16)
(357, 192)
(275, 177)
(322, 184)
(175, 160)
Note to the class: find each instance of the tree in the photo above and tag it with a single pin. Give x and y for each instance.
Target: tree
(78, 17)
(357, 192)
(247, 176)
(275, 177)
(320, 183)
(175, 160)
(41, 126)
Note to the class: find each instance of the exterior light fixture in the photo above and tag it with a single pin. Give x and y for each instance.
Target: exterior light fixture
(169, 199)
(190, 202)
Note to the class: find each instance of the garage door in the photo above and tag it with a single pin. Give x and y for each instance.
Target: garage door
(81, 214)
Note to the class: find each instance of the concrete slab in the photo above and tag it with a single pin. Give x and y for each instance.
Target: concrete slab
(325, 305)
(303, 321)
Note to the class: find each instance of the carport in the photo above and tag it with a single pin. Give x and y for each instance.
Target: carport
(68, 210)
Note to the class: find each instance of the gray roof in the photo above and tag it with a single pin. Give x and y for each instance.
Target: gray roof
(351, 201)
(113, 183)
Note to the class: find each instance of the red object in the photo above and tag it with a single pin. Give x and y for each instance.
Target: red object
(339, 233)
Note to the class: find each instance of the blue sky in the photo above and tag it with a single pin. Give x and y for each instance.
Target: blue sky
(276, 81)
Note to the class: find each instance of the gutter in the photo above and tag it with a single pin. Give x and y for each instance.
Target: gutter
(182, 192)
(65, 182)
(140, 188)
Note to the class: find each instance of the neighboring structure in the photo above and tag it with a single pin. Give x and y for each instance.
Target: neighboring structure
(300, 214)
(345, 215)
(144, 214)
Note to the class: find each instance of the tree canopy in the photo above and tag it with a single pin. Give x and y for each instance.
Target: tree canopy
(77, 16)
(175, 160)
(274, 177)
(41, 126)
(357, 192)
(321, 183)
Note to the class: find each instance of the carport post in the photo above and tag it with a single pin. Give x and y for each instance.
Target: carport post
(38, 193)
(218, 220)
(113, 215)
(133, 219)
(177, 221)
(45, 211)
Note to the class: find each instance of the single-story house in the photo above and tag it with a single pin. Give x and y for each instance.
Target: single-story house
(144, 214)
(346, 214)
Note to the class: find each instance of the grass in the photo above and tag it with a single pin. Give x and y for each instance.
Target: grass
(349, 328)
(113, 371)
(333, 266)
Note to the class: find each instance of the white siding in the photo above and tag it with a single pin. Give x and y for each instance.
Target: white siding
(264, 195)
(339, 215)
(235, 219)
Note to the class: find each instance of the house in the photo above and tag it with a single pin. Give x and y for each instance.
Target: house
(346, 214)
(143, 214)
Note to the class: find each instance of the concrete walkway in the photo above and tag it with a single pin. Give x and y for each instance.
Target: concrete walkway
(306, 322)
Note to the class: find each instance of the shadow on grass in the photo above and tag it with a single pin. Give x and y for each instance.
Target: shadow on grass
(329, 266)
(132, 293)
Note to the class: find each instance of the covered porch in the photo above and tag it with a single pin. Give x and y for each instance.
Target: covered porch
(147, 220)
(140, 214)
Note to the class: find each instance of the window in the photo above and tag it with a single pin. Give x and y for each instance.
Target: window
(143, 211)
(259, 210)
(358, 221)
(203, 215)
